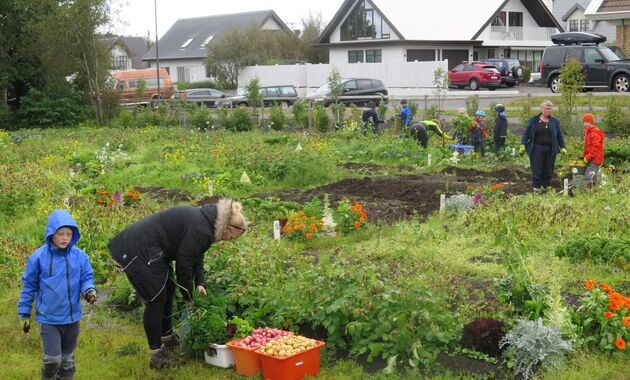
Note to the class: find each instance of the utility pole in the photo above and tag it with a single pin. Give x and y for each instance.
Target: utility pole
(157, 55)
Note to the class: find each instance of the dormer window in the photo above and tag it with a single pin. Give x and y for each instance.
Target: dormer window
(207, 41)
(185, 44)
(364, 23)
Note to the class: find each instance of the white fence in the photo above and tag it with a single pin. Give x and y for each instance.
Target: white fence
(401, 78)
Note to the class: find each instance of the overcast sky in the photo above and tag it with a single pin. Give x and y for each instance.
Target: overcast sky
(137, 17)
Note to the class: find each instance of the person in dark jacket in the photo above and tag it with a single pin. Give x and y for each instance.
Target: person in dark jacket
(419, 131)
(542, 140)
(500, 127)
(370, 118)
(146, 249)
(56, 276)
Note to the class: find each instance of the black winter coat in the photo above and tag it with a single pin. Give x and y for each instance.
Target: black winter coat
(500, 127)
(146, 249)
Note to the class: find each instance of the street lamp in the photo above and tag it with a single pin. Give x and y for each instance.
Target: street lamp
(157, 55)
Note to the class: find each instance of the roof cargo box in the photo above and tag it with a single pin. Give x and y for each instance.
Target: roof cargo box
(577, 38)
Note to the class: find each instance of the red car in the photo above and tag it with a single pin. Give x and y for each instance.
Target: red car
(475, 75)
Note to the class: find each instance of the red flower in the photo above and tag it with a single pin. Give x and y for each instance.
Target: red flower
(609, 314)
(620, 343)
(590, 284)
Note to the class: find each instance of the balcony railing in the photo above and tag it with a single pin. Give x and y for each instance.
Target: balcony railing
(520, 33)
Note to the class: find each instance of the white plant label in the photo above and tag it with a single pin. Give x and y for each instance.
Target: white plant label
(429, 159)
(442, 202)
(276, 230)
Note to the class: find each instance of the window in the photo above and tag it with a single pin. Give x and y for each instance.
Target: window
(499, 19)
(576, 53)
(288, 91)
(355, 56)
(183, 74)
(584, 25)
(185, 44)
(350, 85)
(507, 53)
(365, 84)
(119, 62)
(207, 41)
(573, 25)
(516, 19)
(420, 55)
(273, 92)
(373, 56)
(590, 55)
(490, 53)
(364, 22)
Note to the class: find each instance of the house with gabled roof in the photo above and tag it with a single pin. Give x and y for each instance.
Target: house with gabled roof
(616, 12)
(571, 15)
(366, 31)
(184, 47)
(126, 52)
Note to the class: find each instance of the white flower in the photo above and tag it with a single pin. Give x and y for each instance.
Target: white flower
(299, 148)
(245, 178)
(607, 208)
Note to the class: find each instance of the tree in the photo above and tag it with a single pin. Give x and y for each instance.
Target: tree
(336, 90)
(571, 83)
(312, 27)
(238, 49)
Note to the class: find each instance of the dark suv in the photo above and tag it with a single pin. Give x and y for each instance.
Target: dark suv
(602, 67)
(358, 91)
(284, 95)
(510, 69)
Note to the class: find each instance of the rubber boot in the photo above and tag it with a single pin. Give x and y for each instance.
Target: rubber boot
(170, 342)
(50, 367)
(162, 358)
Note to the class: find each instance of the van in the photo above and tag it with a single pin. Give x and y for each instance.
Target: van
(128, 81)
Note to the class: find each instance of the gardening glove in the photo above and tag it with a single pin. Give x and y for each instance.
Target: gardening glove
(202, 290)
(25, 322)
(585, 160)
(521, 149)
(90, 296)
(563, 150)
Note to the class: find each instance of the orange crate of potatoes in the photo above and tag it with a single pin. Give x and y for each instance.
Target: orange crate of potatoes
(290, 358)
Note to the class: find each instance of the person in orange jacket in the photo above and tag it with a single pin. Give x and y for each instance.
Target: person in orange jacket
(593, 153)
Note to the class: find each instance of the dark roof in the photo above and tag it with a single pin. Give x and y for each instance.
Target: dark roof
(575, 7)
(137, 48)
(614, 6)
(200, 28)
(539, 11)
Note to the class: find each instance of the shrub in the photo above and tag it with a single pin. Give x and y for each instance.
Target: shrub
(240, 120)
(200, 117)
(43, 110)
(615, 120)
(321, 120)
(300, 114)
(458, 202)
(224, 118)
(597, 248)
(483, 335)
(301, 226)
(472, 104)
(277, 120)
(530, 343)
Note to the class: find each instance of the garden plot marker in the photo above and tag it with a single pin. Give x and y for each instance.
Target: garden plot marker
(442, 201)
(276, 230)
(429, 159)
(566, 187)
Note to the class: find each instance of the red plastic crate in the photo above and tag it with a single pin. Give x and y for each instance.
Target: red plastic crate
(293, 367)
(247, 361)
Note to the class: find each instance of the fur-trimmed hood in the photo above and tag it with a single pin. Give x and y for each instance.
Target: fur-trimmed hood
(224, 213)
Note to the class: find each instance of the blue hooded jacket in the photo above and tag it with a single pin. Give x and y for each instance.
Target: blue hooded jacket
(56, 278)
(405, 115)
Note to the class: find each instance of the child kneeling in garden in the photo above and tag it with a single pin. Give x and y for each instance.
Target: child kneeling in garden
(56, 276)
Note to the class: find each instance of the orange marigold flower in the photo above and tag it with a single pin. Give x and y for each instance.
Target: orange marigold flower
(357, 225)
(289, 230)
(309, 236)
(605, 288)
(620, 343)
(614, 305)
(626, 321)
(313, 227)
(609, 314)
(590, 284)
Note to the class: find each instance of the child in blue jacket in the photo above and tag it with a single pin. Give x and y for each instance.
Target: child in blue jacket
(57, 274)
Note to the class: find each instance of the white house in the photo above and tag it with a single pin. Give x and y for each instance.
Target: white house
(366, 31)
(571, 15)
(184, 47)
(616, 12)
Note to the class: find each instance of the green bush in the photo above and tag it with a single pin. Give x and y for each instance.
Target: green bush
(616, 154)
(596, 248)
(321, 120)
(277, 120)
(300, 114)
(200, 117)
(615, 120)
(6, 118)
(43, 110)
(240, 121)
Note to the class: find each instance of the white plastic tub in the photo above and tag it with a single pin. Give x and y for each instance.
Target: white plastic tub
(219, 355)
